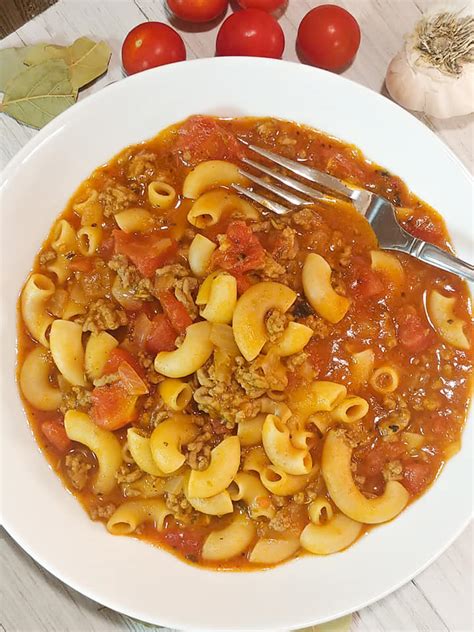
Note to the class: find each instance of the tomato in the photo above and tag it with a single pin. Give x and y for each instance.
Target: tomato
(106, 249)
(424, 228)
(119, 355)
(147, 252)
(175, 311)
(130, 380)
(186, 540)
(161, 335)
(414, 332)
(416, 476)
(265, 5)
(374, 458)
(82, 264)
(250, 32)
(112, 406)
(197, 10)
(244, 252)
(367, 283)
(328, 37)
(243, 282)
(55, 434)
(203, 138)
(149, 45)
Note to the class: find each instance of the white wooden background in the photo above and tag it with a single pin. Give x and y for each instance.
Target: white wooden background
(32, 600)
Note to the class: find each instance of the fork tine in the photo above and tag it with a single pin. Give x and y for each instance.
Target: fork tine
(277, 208)
(291, 182)
(293, 199)
(313, 175)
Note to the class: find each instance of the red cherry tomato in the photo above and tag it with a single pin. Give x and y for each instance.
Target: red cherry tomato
(151, 44)
(266, 5)
(328, 37)
(250, 32)
(197, 10)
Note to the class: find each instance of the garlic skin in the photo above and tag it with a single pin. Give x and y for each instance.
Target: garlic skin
(417, 85)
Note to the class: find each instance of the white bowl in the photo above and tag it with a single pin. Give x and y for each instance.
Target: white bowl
(131, 576)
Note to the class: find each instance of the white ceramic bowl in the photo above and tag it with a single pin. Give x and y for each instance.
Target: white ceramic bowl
(133, 577)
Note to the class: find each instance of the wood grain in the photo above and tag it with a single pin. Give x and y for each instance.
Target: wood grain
(32, 600)
(14, 13)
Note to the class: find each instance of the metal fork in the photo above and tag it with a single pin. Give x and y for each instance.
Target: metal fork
(378, 211)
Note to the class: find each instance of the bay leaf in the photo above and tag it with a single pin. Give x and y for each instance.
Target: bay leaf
(87, 60)
(16, 60)
(43, 52)
(40, 93)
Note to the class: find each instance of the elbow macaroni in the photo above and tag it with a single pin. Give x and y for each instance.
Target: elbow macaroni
(336, 469)
(34, 380)
(37, 291)
(213, 206)
(446, 323)
(67, 350)
(190, 356)
(210, 175)
(225, 461)
(175, 393)
(319, 291)
(133, 513)
(104, 444)
(200, 254)
(222, 299)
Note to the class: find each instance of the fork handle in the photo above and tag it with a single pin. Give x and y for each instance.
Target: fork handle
(424, 251)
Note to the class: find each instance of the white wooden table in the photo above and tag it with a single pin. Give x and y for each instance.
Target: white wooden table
(32, 600)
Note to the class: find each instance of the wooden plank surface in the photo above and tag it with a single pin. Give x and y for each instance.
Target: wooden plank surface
(32, 600)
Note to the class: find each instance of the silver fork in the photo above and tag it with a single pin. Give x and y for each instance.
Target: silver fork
(378, 211)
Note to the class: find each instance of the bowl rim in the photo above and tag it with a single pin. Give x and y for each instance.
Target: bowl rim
(54, 127)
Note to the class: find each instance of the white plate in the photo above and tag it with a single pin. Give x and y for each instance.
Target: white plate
(130, 576)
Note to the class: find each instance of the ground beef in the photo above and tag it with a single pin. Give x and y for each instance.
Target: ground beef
(287, 518)
(104, 315)
(102, 512)
(286, 245)
(226, 401)
(275, 324)
(77, 465)
(306, 219)
(319, 326)
(179, 505)
(296, 360)
(166, 277)
(131, 280)
(393, 471)
(108, 378)
(147, 362)
(272, 269)
(266, 373)
(183, 289)
(115, 198)
(76, 398)
(128, 473)
(142, 166)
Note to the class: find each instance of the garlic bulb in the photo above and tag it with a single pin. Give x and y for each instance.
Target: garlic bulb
(434, 72)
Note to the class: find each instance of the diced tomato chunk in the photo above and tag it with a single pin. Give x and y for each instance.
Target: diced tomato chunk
(175, 311)
(188, 541)
(130, 380)
(119, 355)
(82, 264)
(161, 336)
(416, 476)
(203, 138)
(112, 406)
(146, 252)
(375, 457)
(55, 433)
(414, 332)
(106, 248)
(424, 228)
(243, 252)
(366, 283)
(243, 282)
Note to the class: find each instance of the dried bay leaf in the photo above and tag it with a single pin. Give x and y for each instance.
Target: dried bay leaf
(87, 60)
(44, 52)
(40, 93)
(16, 60)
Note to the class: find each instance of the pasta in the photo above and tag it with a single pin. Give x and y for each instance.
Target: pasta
(161, 194)
(210, 175)
(238, 387)
(446, 323)
(104, 444)
(200, 253)
(213, 206)
(336, 468)
(34, 380)
(319, 291)
(67, 351)
(38, 289)
(191, 355)
(249, 315)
